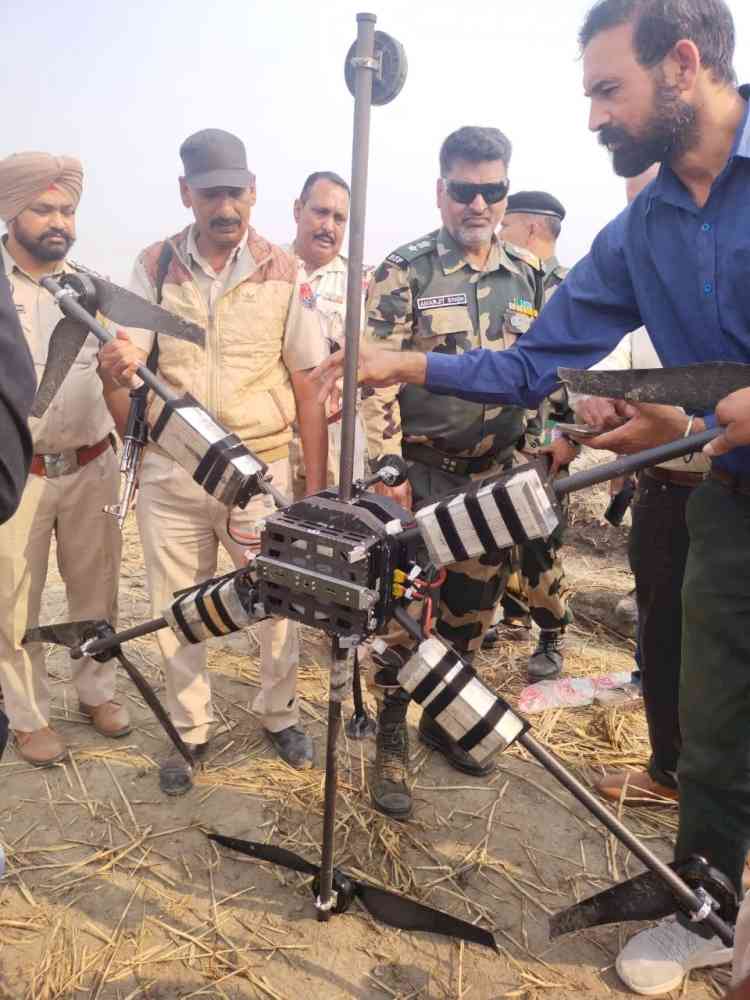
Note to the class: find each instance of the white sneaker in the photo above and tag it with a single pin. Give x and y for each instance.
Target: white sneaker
(658, 959)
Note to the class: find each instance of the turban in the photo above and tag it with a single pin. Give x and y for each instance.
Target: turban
(25, 176)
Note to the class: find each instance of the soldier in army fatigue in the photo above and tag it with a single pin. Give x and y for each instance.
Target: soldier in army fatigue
(451, 291)
(533, 219)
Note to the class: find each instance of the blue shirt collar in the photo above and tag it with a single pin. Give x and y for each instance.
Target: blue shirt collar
(667, 187)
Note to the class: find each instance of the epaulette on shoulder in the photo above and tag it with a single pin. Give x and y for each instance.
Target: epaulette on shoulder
(522, 254)
(410, 251)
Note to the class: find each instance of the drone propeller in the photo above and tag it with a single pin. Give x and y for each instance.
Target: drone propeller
(123, 306)
(92, 294)
(388, 907)
(70, 634)
(74, 634)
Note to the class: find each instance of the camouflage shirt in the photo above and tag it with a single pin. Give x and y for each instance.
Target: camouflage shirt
(554, 275)
(427, 297)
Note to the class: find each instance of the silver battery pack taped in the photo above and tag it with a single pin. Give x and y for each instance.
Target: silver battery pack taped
(448, 690)
(217, 460)
(513, 509)
(215, 608)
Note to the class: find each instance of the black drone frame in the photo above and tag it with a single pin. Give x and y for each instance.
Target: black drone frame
(375, 72)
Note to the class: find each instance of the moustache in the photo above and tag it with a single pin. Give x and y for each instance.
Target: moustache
(323, 235)
(222, 221)
(57, 234)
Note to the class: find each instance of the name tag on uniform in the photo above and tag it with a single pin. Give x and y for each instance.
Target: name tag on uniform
(441, 301)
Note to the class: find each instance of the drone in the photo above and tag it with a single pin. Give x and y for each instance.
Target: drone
(349, 561)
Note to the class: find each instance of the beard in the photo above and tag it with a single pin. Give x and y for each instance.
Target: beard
(669, 133)
(473, 237)
(38, 246)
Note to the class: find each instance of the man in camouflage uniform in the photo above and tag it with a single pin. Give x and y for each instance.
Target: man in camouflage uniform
(533, 219)
(451, 291)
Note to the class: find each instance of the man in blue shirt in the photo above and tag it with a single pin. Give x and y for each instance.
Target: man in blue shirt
(659, 77)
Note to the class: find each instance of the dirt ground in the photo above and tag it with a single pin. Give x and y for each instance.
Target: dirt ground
(113, 892)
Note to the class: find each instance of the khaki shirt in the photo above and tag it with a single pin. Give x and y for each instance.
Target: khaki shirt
(77, 416)
(329, 286)
(304, 336)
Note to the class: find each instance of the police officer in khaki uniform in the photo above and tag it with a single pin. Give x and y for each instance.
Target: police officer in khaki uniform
(74, 472)
(450, 291)
(263, 333)
(321, 213)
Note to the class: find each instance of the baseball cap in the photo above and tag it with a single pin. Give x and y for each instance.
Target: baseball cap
(214, 158)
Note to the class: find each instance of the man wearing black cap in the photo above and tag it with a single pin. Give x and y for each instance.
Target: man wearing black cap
(533, 219)
(263, 334)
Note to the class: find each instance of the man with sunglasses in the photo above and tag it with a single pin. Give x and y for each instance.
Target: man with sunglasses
(662, 88)
(448, 292)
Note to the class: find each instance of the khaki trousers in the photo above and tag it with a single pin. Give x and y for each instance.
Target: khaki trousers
(88, 557)
(181, 527)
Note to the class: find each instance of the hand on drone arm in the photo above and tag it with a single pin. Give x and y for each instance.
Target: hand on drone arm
(118, 361)
(313, 429)
(647, 425)
(733, 413)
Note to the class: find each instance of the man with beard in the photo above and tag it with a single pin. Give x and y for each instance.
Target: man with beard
(446, 293)
(662, 88)
(321, 213)
(74, 472)
(263, 332)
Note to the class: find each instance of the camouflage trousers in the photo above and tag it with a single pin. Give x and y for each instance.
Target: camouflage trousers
(536, 586)
(472, 590)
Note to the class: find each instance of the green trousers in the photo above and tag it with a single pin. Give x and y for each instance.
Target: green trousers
(714, 765)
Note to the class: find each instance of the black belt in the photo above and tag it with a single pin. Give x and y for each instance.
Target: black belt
(453, 464)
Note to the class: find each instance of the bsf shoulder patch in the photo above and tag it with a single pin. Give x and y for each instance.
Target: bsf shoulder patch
(307, 296)
(441, 301)
(397, 259)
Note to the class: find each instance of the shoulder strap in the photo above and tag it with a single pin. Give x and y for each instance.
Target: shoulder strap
(162, 266)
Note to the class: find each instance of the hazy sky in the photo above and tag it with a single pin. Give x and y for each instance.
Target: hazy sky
(121, 84)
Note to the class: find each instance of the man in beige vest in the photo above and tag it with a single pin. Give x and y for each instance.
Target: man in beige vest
(263, 334)
(321, 213)
(74, 472)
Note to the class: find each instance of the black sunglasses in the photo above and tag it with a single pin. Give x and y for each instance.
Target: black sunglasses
(464, 193)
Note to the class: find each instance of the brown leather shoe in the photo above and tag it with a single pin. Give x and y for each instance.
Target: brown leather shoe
(110, 719)
(40, 748)
(641, 789)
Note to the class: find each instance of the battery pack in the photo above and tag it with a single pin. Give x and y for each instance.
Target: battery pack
(448, 690)
(515, 508)
(217, 607)
(217, 460)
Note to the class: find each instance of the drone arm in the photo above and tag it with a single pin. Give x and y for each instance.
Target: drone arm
(67, 301)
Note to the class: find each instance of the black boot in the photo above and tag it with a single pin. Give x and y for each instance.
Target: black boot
(388, 789)
(546, 661)
(433, 735)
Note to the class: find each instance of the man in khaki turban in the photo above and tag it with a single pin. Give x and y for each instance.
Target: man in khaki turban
(74, 472)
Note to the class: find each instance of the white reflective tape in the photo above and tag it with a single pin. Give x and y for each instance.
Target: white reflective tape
(494, 519)
(464, 528)
(440, 552)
